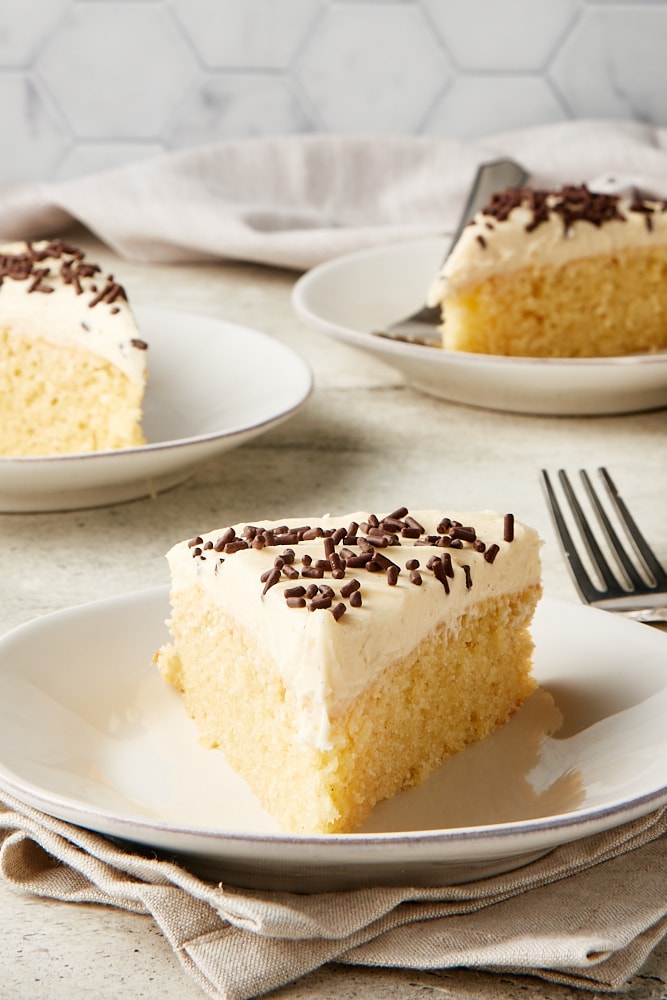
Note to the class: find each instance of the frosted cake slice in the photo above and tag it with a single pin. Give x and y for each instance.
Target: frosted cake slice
(565, 273)
(338, 660)
(72, 362)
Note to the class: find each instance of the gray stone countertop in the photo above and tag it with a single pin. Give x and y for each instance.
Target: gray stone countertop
(364, 439)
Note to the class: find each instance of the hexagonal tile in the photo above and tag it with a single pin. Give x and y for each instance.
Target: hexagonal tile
(116, 69)
(228, 106)
(246, 33)
(514, 35)
(477, 105)
(93, 157)
(38, 136)
(372, 68)
(24, 26)
(600, 74)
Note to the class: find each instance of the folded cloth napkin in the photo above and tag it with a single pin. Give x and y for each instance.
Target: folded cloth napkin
(587, 914)
(294, 201)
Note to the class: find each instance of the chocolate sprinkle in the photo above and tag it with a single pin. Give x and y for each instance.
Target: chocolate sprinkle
(572, 203)
(320, 601)
(272, 578)
(43, 267)
(355, 547)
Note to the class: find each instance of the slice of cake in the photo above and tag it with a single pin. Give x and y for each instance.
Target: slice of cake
(567, 273)
(339, 660)
(72, 362)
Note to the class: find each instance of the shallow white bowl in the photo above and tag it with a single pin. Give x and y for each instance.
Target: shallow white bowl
(90, 733)
(350, 297)
(212, 386)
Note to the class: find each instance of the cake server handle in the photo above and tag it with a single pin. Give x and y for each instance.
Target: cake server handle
(491, 176)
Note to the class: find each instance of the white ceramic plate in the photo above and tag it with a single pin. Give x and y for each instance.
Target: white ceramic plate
(351, 296)
(212, 386)
(90, 733)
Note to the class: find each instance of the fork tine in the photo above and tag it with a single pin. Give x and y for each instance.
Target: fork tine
(573, 562)
(642, 547)
(634, 596)
(592, 547)
(615, 544)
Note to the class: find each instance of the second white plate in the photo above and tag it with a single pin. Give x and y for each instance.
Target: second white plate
(212, 386)
(350, 297)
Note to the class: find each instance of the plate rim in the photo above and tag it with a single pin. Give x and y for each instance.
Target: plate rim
(372, 342)
(578, 822)
(174, 444)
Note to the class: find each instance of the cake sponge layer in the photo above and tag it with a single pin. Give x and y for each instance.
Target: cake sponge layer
(58, 399)
(458, 684)
(603, 306)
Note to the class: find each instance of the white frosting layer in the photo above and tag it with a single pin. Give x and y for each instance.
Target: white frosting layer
(327, 662)
(66, 312)
(488, 246)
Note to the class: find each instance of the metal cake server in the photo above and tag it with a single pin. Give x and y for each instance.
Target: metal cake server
(495, 175)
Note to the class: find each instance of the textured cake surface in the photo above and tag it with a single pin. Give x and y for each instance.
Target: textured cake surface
(72, 362)
(339, 660)
(567, 273)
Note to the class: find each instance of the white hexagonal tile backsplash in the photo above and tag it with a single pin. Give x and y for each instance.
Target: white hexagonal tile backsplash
(372, 68)
(514, 35)
(614, 63)
(116, 69)
(246, 34)
(34, 136)
(87, 85)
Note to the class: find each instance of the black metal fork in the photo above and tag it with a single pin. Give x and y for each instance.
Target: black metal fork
(637, 587)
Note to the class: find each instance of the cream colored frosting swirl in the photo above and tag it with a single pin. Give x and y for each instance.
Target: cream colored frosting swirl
(490, 245)
(326, 661)
(51, 291)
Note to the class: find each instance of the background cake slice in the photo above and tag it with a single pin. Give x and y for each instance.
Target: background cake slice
(339, 660)
(566, 273)
(72, 362)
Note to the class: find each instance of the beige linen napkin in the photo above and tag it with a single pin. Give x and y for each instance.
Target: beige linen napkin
(296, 200)
(587, 914)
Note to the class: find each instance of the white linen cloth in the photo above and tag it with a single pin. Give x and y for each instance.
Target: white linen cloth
(294, 201)
(587, 914)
